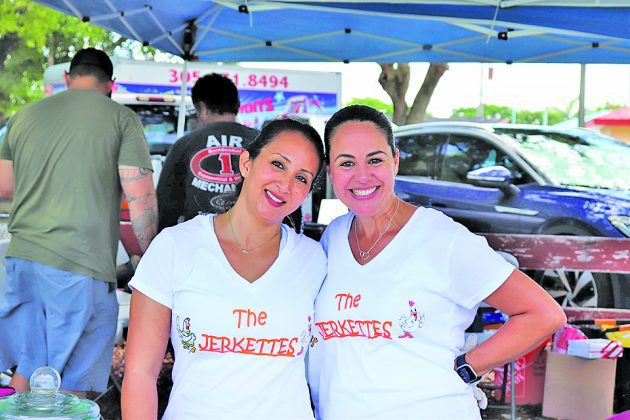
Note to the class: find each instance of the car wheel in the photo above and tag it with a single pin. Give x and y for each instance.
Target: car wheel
(578, 288)
(621, 290)
(586, 289)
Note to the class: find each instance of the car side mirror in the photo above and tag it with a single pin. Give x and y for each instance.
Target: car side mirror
(494, 177)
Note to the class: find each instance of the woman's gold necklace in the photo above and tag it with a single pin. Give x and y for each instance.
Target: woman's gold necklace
(247, 250)
(366, 254)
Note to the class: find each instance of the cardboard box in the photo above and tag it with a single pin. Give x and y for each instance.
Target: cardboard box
(595, 348)
(577, 388)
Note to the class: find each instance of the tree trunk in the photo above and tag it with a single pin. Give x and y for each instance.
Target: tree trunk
(8, 42)
(419, 108)
(52, 44)
(394, 79)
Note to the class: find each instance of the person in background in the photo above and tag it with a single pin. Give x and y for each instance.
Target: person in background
(203, 165)
(403, 284)
(65, 161)
(235, 292)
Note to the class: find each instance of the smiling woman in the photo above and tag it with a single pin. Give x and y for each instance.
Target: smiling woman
(235, 292)
(409, 279)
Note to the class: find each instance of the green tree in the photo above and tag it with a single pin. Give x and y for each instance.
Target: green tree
(33, 36)
(570, 109)
(554, 115)
(387, 109)
(529, 117)
(608, 106)
(489, 111)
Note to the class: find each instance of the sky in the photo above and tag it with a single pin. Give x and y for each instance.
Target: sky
(521, 86)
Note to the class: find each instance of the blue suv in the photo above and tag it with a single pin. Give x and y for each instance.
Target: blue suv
(525, 179)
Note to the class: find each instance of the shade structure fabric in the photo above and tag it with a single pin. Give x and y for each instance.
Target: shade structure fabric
(509, 31)
(619, 117)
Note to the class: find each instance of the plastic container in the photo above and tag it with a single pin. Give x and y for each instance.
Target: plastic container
(618, 330)
(529, 378)
(44, 401)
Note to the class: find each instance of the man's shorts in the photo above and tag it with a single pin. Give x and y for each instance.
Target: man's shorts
(52, 317)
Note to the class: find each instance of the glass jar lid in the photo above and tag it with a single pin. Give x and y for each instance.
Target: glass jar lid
(45, 401)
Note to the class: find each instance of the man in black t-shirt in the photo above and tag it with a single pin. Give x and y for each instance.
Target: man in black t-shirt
(203, 165)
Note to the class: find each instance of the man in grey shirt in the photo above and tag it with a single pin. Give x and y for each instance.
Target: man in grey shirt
(65, 161)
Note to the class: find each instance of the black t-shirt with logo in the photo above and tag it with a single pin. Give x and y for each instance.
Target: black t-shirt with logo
(201, 170)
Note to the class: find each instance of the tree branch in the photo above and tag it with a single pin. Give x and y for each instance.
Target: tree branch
(421, 102)
(394, 79)
(8, 42)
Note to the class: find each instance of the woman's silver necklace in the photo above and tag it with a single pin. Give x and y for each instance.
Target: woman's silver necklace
(366, 254)
(247, 250)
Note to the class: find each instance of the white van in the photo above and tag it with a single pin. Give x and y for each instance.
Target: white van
(157, 108)
(152, 90)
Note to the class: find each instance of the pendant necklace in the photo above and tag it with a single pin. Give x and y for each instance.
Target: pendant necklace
(366, 254)
(247, 250)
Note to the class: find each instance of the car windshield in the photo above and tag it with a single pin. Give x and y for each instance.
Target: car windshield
(160, 125)
(578, 158)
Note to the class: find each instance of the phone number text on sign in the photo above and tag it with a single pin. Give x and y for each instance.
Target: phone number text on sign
(241, 80)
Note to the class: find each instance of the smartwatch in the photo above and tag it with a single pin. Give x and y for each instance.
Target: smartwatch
(465, 371)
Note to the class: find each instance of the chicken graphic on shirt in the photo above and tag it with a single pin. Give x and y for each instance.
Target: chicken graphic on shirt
(410, 322)
(305, 337)
(188, 337)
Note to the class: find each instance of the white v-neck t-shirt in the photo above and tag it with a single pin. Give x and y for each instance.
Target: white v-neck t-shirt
(386, 333)
(239, 346)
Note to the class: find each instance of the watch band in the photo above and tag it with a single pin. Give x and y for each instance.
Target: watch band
(465, 371)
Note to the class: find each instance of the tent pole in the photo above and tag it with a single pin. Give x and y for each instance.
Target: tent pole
(181, 119)
(480, 113)
(582, 95)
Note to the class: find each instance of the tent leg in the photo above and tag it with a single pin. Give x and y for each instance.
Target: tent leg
(581, 110)
(181, 120)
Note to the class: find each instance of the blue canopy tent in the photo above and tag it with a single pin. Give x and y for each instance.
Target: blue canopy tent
(508, 31)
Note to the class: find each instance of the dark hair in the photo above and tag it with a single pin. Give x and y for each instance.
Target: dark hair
(92, 62)
(97, 73)
(266, 136)
(218, 93)
(273, 128)
(358, 113)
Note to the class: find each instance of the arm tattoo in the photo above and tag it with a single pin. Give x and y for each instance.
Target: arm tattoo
(145, 227)
(144, 197)
(132, 175)
(138, 187)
